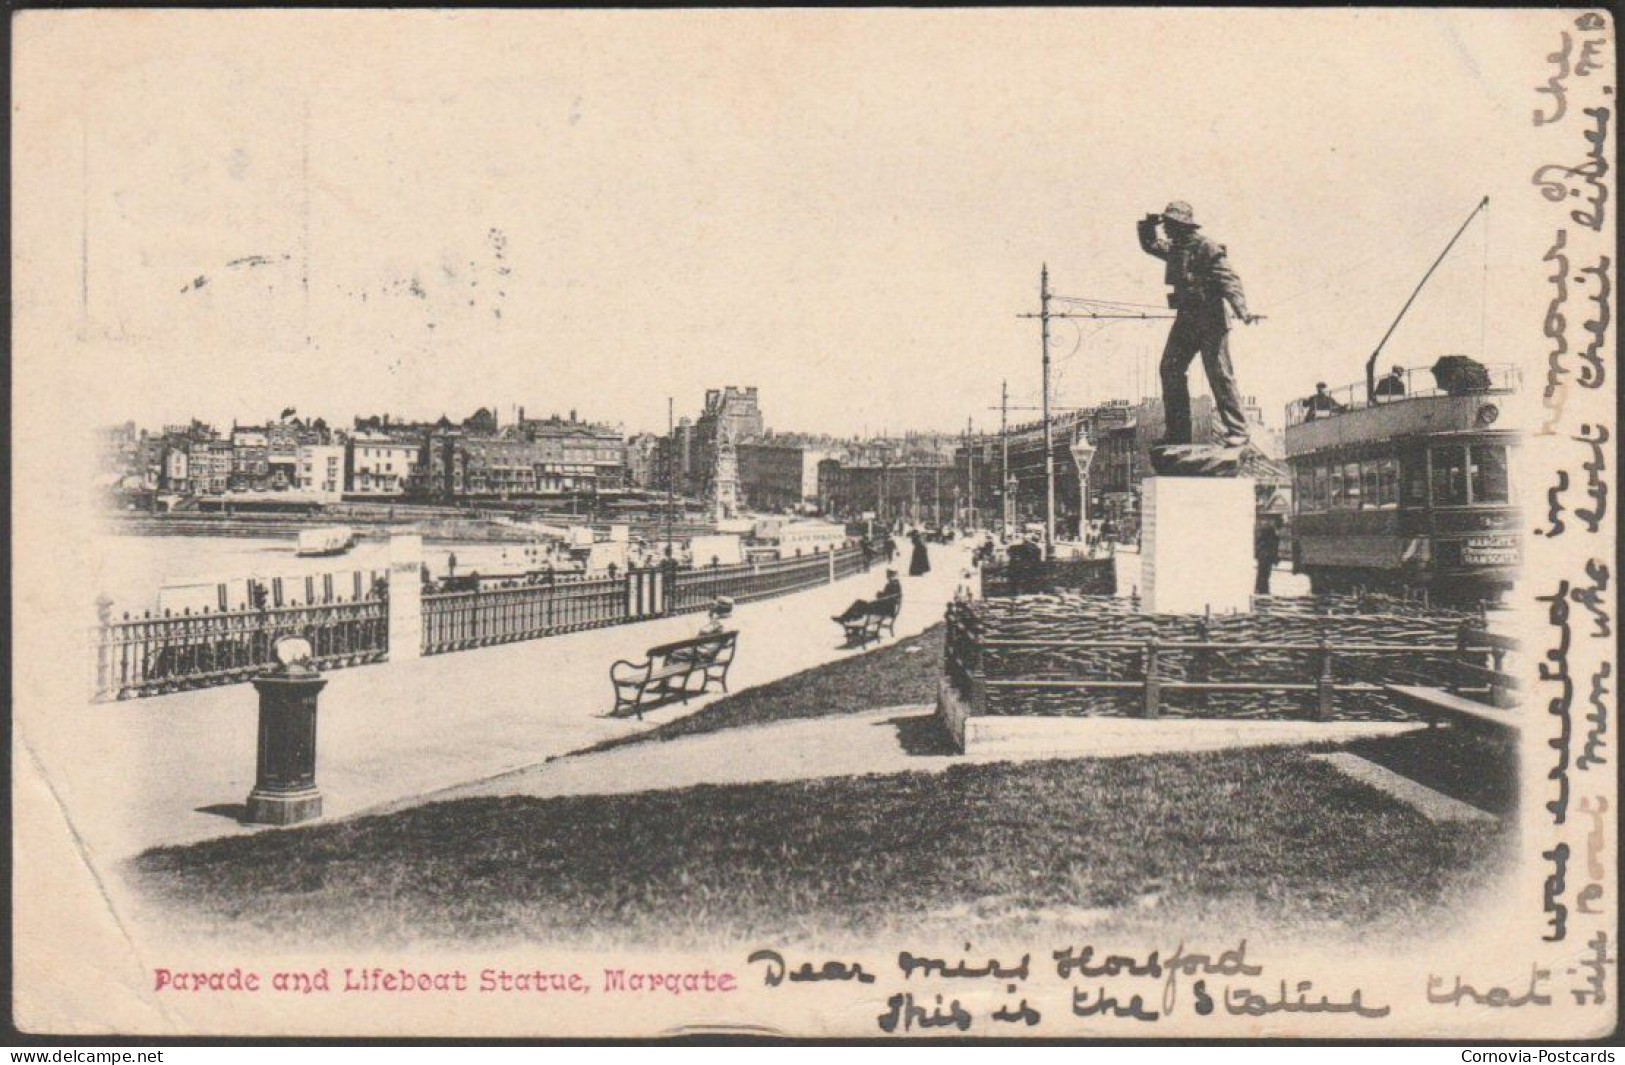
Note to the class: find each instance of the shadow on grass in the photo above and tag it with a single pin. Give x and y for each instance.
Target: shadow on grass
(1479, 768)
(920, 734)
(895, 674)
(1301, 843)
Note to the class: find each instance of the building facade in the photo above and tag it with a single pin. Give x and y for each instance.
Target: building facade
(319, 470)
(576, 456)
(642, 461)
(210, 465)
(730, 410)
(772, 475)
(250, 458)
(282, 455)
(380, 465)
(914, 492)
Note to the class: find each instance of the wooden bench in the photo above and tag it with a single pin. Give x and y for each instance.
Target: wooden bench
(1437, 703)
(881, 618)
(673, 671)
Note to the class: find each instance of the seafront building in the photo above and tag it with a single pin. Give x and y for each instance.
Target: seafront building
(1100, 456)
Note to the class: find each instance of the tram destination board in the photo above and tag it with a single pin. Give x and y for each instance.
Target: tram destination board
(1491, 551)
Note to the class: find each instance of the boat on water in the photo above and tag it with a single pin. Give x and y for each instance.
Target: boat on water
(325, 541)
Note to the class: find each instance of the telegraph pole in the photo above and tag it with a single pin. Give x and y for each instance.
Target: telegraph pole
(1004, 446)
(1049, 439)
(671, 461)
(1044, 315)
(970, 478)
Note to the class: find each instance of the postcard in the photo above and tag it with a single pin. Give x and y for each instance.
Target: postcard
(811, 523)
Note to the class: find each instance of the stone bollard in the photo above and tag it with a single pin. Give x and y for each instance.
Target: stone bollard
(1153, 680)
(1325, 692)
(406, 597)
(285, 769)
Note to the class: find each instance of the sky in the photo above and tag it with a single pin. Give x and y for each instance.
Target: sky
(230, 213)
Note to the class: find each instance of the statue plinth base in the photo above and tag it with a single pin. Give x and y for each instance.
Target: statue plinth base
(1196, 544)
(1197, 460)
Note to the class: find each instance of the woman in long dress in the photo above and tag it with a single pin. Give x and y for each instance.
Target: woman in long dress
(921, 562)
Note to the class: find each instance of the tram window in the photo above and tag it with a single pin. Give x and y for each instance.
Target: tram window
(1322, 489)
(1414, 485)
(1368, 484)
(1338, 498)
(1351, 485)
(1449, 476)
(1489, 474)
(1388, 483)
(1302, 485)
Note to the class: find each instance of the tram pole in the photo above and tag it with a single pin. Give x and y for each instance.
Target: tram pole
(1049, 437)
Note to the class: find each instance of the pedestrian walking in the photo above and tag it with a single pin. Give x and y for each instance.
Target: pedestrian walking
(920, 563)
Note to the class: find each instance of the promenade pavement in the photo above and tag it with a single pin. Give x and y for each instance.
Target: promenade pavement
(899, 739)
(177, 768)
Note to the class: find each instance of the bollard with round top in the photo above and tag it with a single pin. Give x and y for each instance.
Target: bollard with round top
(285, 771)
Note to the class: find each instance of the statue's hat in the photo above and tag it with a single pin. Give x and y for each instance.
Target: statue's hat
(1179, 211)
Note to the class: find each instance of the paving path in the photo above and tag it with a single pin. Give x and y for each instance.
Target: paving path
(177, 768)
(898, 739)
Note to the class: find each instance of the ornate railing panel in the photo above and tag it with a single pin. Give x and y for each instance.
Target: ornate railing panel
(154, 654)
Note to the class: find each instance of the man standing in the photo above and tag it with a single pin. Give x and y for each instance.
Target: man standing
(1203, 283)
(1266, 550)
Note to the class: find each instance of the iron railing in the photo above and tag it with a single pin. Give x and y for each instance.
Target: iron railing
(458, 621)
(155, 654)
(695, 589)
(148, 655)
(1416, 382)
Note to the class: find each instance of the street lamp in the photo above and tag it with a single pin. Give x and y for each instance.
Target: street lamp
(1082, 453)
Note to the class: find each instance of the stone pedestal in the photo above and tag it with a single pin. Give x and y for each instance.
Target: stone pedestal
(405, 597)
(285, 766)
(1196, 544)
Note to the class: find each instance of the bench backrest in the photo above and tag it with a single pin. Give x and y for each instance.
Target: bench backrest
(887, 606)
(716, 648)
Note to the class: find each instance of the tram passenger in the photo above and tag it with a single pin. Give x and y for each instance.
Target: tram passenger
(1392, 386)
(1321, 403)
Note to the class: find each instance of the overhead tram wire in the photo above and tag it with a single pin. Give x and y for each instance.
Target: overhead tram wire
(1371, 363)
(1416, 236)
(1484, 292)
(1109, 303)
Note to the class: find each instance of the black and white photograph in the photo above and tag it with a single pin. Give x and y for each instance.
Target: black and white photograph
(864, 524)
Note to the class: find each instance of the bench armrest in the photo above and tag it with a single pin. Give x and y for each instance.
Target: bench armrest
(624, 672)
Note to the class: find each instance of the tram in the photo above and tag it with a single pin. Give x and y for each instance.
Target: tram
(1408, 491)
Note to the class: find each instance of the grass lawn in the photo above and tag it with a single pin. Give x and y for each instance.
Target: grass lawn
(1254, 838)
(1477, 767)
(896, 674)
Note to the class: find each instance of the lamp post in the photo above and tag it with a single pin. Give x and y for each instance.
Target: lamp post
(1083, 453)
